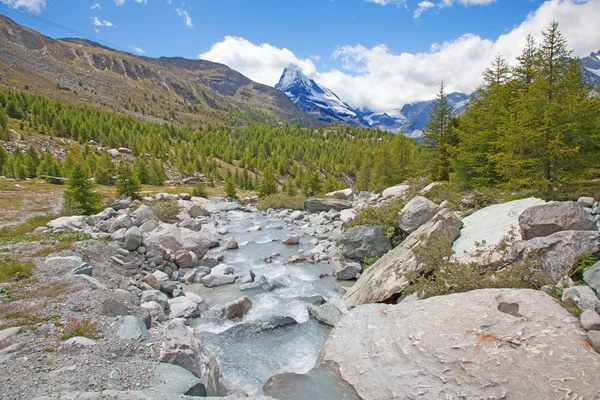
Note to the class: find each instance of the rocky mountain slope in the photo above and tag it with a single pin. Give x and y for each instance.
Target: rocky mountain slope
(81, 71)
(591, 68)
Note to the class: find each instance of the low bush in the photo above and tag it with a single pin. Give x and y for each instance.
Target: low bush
(441, 275)
(165, 210)
(281, 201)
(385, 215)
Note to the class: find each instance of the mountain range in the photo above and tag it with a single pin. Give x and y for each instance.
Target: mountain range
(327, 107)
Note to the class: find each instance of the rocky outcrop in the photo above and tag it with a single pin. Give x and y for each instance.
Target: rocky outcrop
(415, 213)
(385, 279)
(180, 346)
(544, 220)
(318, 205)
(557, 253)
(484, 230)
(364, 241)
(481, 344)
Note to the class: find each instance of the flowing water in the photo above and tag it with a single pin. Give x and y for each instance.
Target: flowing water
(249, 357)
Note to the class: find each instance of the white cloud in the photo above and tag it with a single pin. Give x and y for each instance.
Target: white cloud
(97, 22)
(186, 17)
(466, 3)
(262, 63)
(386, 2)
(381, 80)
(422, 6)
(97, 30)
(138, 50)
(34, 6)
(96, 6)
(121, 2)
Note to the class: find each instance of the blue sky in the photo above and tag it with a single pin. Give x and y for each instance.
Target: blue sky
(341, 43)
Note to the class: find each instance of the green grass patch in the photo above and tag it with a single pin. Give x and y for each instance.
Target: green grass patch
(281, 201)
(17, 232)
(14, 270)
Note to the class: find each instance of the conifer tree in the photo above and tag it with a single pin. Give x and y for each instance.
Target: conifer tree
(78, 198)
(439, 137)
(230, 187)
(267, 185)
(127, 184)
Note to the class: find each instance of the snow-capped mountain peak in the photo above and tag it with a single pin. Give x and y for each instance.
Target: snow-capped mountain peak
(317, 100)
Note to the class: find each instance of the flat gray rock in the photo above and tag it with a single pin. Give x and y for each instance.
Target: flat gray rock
(546, 219)
(491, 344)
(133, 328)
(9, 333)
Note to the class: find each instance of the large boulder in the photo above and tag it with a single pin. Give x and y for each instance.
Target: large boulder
(546, 219)
(557, 253)
(144, 213)
(133, 238)
(344, 194)
(237, 308)
(185, 258)
(318, 205)
(385, 278)
(364, 241)
(170, 237)
(414, 214)
(484, 231)
(196, 211)
(216, 280)
(591, 276)
(133, 328)
(484, 344)
(345, 270)
(183, 307)
(180, 346)
(395, 191)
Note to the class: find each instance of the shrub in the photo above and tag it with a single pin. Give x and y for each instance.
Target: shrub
(165, 210)
(385, 215)
(583, 263)
(127, 184)
(441, 275)
(78, 198)
(280, 201)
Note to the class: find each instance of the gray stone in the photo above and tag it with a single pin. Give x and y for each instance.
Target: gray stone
(291, 239)
(318, 205)
(133, 238)
(483, 344)
(558, 252)
(191, 224)
(347, 216)
(222, 269)
(327, 313)
(149, 226)
(344, 194)
(231, 245)
(415, 213)
(237, 308)
(169, 286)
(155, 295)
(590, 320)
(591, 276)
(345, 270)
(144, 213)
(79, 341)
(194, 297)
(183, 307)
(185, 259)
(546, 219)
(385, 278)
(133, 328)
(83, 269)
(211, 281)
(209, 262)
(364, 241)
(170, 237)
(188, 276)
(248, 276)
(180, 346)
(395, 191)
(594, 338)
(580, 296)
(156, 311)
(121, 222)
(586, 201)
(121, 204)
(9, 333)
(297, 215)
(196, 211)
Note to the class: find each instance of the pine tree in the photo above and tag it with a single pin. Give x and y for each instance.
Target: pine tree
(199, 190)
(127, 184)
(230, 187)
(105, 170)
(312, 183)
(142, 171)
(498, 73)
(78, 198)
(3, 125)
(440, 137)
(526, 70)
(267, 185)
